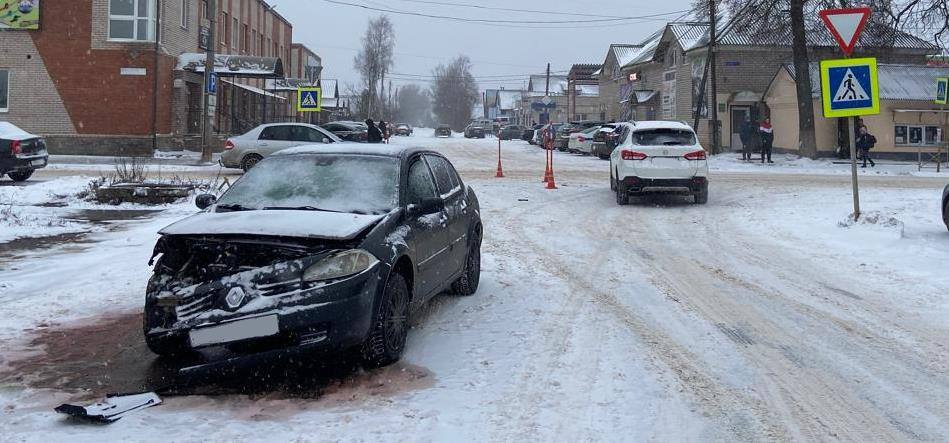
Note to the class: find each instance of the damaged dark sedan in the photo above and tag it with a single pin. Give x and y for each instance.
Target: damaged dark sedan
(328, 247)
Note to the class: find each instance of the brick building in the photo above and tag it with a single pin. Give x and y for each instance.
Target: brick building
(94, 80)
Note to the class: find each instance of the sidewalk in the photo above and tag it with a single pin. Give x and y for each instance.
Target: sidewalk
(793, 164)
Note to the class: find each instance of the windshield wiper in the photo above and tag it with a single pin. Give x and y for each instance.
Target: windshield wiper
(298, 208)
(235, 207)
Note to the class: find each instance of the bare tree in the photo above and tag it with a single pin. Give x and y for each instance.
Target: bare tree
(454, 92)
(374, 60)
(927, 19)
(413, 105)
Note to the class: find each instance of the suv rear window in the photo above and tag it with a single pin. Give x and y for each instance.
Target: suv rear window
(664, 137)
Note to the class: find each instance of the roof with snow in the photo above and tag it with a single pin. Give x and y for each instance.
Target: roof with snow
(558, 84)
(625, 53)
(584, 72)
(507, 99)
(897, 82)
(646, 51)
(233, 65)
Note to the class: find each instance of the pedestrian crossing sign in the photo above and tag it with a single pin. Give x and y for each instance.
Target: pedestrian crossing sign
(309, 99)
(849, 87)
(942, 90)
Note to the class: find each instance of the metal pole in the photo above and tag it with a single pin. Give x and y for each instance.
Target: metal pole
(713, 111)
(853, 167)
(207, 116)
(158, 6)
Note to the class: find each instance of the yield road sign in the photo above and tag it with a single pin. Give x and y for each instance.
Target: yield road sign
(309, 99)
(849, 87)
(942, 90)
(845, 25)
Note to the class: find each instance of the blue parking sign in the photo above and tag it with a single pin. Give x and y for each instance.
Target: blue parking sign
(212, 83)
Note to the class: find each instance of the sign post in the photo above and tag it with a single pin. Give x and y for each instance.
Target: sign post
(942, 97)
(849, 87)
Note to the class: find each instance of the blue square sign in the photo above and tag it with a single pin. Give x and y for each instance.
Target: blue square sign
(849, 87)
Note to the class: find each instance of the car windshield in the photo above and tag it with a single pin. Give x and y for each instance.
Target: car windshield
(361, 184)
(664, 137)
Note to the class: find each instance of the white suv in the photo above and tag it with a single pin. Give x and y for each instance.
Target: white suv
(657, 156)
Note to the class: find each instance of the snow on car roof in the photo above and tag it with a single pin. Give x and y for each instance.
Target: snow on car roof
(348, 148)
(657, 124)
(10, 131)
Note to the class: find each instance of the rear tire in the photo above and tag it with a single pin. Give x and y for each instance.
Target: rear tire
(390, 326)
(612, 181)
(701, 197)
(622, 197)
(249, 161)
(471, 278)
(20, 176)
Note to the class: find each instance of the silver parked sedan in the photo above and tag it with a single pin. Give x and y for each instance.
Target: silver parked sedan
(244, 151)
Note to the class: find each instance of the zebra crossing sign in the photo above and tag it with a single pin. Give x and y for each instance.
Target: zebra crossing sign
(309, 99)
(849, 87)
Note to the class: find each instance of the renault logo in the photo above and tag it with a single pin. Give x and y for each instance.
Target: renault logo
(235, 297)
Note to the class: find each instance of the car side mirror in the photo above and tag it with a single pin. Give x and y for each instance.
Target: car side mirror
(427, 206)
(204, 201)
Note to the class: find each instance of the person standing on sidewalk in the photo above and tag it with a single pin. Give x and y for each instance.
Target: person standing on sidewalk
(747, 134)
(374, 135)
(766, 133)
(866, 142)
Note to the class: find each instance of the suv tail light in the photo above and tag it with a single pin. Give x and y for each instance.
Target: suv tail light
(229, 145)
(581, 139)
(632, 155)
(697, 155)
(15, 148)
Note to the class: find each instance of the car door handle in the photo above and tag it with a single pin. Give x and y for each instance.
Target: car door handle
(265, 144)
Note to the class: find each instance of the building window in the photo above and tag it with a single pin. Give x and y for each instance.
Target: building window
(204, 11)
(245, 39)
(4, 90)
(223, 28)
(132, 20)
(185, 6)
(235, 34)
(917, 135)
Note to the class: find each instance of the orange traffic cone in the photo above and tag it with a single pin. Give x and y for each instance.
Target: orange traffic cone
(500, 173)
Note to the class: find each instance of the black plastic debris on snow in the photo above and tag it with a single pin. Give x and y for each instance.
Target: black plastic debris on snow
(112, 409)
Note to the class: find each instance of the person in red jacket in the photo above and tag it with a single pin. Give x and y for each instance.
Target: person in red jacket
(766, 133)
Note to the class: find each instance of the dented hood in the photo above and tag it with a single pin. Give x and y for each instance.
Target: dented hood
(304, 224)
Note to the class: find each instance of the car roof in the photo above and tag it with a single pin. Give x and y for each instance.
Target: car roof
(377, 149)
(657, 124)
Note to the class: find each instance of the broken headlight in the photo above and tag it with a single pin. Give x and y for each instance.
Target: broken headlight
(339, 265)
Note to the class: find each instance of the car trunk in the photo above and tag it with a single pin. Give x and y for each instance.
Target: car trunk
(28, 147)
(664, 162)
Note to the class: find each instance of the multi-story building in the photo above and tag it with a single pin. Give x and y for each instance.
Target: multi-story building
(123, 76)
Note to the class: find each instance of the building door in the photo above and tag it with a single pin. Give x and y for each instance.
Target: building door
(195, 108)
(738, 116)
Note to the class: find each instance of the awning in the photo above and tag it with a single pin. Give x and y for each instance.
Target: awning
(644, 96)
(288, 84)
(233, 65)
(254, 90)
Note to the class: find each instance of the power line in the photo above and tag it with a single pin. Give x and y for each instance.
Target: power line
(494, 21)
(492, 8)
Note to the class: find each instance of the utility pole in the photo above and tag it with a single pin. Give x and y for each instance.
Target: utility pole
(713, 104)
(208, 116)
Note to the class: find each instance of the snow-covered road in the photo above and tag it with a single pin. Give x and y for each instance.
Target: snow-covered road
(760, 316)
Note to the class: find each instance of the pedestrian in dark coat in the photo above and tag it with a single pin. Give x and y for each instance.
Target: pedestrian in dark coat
(865, 142)
(375, 135)
(766, 132)
(384, 129)
(747, 134)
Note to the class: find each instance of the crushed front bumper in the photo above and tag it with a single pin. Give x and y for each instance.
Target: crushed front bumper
(335, 315)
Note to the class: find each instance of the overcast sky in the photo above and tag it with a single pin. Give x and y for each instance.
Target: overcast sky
(334, 31)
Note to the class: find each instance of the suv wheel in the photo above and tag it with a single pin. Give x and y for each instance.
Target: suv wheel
(622, 197)
(390, 327)
(249, 161)
(612, 181)
(20, 176)
(701, 197)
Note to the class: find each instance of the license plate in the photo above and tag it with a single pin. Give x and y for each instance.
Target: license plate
(235, 330)
(38, 163)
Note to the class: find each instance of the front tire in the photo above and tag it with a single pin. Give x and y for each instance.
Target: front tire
(469, 281)
(20, 176)
(249, 161)
(390, 326)
(945, 213)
